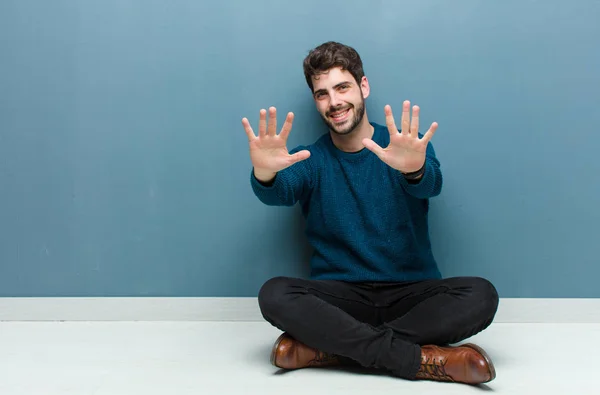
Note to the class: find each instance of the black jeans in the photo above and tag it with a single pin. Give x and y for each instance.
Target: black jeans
(379, 325)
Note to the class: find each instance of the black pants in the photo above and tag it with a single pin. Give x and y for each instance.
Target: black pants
(379, 325)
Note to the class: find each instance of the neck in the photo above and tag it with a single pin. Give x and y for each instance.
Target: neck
(352, 142)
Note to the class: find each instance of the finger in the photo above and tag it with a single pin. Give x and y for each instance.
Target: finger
(299, 156)
(272, 125)
(389, 120)
(262, 123)
(374, 148)
(405, 117)
(287, 126)
(414, 124)
(427, 137)
(248, 129)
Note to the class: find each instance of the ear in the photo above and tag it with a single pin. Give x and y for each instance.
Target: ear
(364, 87)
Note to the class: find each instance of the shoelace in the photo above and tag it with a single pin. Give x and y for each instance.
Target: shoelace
(433, 370)
(321, 357)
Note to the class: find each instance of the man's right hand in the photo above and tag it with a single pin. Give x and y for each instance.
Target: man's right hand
(268, 151)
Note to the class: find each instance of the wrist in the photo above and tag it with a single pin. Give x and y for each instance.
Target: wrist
(264, 176)
(414, 175)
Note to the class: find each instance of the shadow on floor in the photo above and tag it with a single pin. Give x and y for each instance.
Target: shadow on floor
(262, 355)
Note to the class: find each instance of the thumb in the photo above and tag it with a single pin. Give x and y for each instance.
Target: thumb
(299, 156)
(374, 148)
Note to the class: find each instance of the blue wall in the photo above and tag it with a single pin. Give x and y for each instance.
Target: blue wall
(124, 168)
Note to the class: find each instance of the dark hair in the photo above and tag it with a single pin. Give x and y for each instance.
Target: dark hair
(329, 55)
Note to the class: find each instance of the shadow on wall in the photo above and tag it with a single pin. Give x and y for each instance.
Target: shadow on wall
(309, 127)
(296, 225)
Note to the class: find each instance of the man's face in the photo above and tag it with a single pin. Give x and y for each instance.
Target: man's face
(340, 100)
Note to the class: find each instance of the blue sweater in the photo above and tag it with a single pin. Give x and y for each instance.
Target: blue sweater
(363, 219)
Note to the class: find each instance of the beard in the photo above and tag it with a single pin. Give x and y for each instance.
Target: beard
(349, 125)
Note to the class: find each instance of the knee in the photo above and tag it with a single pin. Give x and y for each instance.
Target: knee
(485, 293)
(271, 295)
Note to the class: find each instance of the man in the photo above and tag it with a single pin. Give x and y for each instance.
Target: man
(375, 297)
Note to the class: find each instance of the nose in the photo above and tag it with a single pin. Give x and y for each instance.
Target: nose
(335, 101)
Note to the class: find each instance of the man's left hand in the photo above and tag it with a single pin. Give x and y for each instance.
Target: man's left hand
(406, 151)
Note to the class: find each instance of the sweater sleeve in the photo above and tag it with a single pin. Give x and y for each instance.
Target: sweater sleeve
(430, 184)
(290, 185)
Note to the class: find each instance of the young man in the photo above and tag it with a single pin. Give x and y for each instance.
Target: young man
(375, 297)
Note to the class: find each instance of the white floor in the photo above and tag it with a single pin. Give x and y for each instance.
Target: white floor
(204, 358)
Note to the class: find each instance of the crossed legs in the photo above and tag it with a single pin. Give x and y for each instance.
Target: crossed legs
(380, 325)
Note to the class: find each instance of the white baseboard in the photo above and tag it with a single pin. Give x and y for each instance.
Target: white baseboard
(511, 310)
(129, 309)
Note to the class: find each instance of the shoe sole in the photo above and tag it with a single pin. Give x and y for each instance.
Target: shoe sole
(486, 357)
(275, 347)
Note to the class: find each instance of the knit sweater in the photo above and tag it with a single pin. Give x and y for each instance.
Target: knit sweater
(364, 220)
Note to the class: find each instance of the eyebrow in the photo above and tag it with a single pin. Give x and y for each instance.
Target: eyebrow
(335, 87)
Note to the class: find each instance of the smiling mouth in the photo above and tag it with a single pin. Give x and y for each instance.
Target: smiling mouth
(340, 115)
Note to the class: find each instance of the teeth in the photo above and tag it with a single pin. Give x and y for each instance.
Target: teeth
(340, 115)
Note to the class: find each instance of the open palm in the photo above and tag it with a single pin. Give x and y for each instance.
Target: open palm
(406, 151)
(268, 150)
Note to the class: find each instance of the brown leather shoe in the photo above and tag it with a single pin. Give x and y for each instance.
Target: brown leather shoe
(466, 363)
(289, 353)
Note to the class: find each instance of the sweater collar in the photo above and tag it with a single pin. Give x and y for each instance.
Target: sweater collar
(377, 137)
